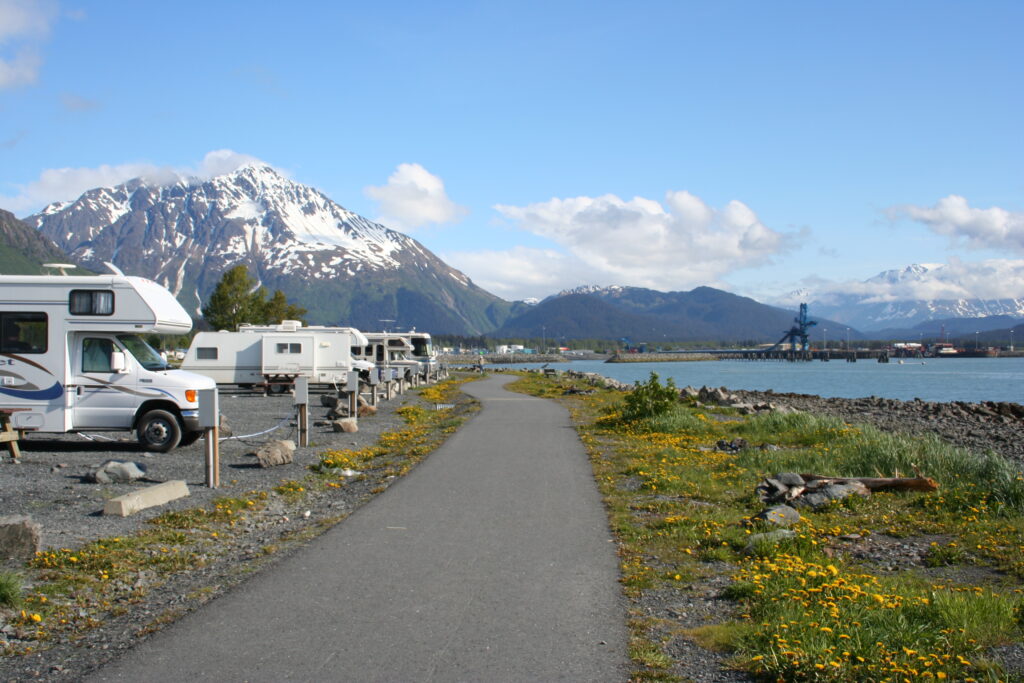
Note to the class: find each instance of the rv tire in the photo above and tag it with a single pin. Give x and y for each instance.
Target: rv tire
(158, 430)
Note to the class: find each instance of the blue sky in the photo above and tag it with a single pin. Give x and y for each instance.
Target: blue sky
(754, 146)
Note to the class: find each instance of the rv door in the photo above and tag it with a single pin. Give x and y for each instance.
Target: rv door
(105, 393)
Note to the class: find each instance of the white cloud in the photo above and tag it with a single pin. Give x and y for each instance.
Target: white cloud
(23, 26)
(522, 272)
(993, 228)
(412, 198)
(63, 184)
(641, 242)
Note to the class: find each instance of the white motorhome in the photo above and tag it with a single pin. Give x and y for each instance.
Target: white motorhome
(72, 358)
(423, 352)
(272, 356)
(389, 351)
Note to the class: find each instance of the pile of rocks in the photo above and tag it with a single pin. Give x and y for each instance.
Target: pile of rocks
(720, 396)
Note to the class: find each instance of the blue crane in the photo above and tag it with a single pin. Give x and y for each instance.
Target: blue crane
(797, 335)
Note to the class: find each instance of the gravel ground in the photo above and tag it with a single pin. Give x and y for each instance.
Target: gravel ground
(49, 483)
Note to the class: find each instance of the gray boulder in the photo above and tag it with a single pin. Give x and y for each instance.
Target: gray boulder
(116, 472)
(276, 453)
(19, 537)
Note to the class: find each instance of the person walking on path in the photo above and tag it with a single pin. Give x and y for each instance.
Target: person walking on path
(490, 561)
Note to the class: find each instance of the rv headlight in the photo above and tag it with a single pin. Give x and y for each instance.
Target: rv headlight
(191, 395)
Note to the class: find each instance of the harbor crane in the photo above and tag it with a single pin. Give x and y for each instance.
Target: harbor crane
(797, 335)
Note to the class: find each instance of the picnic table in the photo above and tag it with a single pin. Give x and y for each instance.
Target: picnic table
(8, 434)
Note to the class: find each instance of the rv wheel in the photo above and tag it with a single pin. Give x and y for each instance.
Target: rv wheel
(158, 431)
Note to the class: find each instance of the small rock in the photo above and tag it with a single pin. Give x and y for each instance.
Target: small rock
(780, 515)
(347, 425)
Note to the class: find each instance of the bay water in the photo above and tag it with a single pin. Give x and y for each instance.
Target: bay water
(930, 379)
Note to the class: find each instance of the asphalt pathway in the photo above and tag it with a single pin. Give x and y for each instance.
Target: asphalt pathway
(490, 561)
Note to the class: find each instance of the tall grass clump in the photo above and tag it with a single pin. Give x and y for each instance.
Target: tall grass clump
(11, 586)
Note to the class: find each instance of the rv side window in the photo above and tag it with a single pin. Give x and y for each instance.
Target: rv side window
(289, 348)
(91, 302)
(206, 353)
(23, 333)
(96, 355)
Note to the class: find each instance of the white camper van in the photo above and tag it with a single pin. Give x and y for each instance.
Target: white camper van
(273, 356)
(72, 358)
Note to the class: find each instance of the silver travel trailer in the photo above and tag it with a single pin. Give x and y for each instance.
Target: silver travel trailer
(72, 358)
(272, 356)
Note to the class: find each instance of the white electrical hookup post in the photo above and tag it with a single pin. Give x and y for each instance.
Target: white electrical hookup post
(209, 420)
(302, 407)
(352, 388)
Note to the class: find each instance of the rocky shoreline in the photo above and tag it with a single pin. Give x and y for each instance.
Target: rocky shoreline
(987, 426)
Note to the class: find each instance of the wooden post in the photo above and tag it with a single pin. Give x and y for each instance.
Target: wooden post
(212, 449)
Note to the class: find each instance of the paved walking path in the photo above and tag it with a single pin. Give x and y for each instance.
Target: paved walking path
(490, 561)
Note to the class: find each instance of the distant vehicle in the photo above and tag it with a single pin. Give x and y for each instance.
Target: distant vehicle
(272, 356)
(72, 358)
(389, 351)
(423, 352)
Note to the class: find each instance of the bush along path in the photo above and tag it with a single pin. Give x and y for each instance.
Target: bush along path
(877, 586)
(70, 610)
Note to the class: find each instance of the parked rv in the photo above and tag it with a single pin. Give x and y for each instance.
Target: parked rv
(423, 353)
(389, 351)
(72, 358)
(272, 356)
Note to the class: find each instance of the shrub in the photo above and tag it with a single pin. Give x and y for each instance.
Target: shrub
(650, 399)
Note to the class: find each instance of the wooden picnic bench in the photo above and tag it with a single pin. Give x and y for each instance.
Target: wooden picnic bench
(8, 434)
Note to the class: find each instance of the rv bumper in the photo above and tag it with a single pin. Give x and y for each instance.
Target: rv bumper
(190, 420)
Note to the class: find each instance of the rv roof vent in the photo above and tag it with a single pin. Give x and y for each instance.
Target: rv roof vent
(62, 268)
(290, 325)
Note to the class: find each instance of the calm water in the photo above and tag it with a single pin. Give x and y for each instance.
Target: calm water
(941, 379)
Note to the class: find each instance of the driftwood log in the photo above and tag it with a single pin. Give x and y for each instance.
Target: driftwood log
(880, 483)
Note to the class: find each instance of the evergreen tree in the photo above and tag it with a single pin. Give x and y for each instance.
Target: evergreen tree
(234, 300)
(277, 309)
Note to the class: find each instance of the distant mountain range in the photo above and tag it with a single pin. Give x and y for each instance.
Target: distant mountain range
(860, 309)
(338, 265)
(646, 315)
(348, 270)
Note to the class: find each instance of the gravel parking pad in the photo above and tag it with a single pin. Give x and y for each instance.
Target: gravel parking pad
(49, 482)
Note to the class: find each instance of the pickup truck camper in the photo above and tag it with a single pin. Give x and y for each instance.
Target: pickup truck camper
(272, 356)
(72, 358)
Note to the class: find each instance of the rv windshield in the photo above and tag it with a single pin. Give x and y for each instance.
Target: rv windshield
(143, 352)
(421, 347)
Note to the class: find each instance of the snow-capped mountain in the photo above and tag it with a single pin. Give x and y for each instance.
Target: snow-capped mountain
(339, 265)
(904, 298)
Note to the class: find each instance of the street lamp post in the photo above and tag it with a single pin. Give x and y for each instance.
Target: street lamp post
(976, 342)
(1011, 340)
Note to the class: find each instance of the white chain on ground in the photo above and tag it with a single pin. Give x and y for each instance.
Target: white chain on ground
(95, 437)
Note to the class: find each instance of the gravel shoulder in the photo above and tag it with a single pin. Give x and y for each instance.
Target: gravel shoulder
(49, 485)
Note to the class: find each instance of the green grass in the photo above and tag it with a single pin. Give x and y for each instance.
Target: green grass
(11, 587)
(803, 610)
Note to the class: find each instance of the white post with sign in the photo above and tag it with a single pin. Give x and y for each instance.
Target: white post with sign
(209, 420)
(352, 388)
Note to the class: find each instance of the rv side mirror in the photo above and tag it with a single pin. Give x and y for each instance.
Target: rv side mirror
(118, 363)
